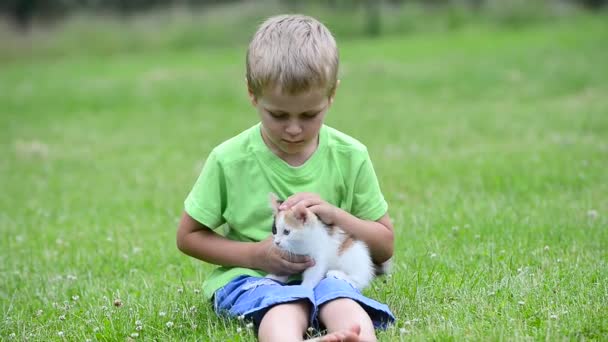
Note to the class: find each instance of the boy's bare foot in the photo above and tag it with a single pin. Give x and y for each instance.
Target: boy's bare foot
(350, 335)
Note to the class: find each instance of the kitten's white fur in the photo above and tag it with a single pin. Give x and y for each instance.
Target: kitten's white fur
(311, 237)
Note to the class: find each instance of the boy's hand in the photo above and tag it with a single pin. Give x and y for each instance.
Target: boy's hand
(274, 260)
(302, 200)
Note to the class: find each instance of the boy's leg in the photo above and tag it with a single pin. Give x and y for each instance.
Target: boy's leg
(343, 313)
(285, 322)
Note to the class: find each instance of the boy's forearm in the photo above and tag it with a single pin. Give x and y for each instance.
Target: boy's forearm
(377, 236)
(213, 248)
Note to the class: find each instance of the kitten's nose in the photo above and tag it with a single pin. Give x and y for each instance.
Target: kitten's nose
(276, 243)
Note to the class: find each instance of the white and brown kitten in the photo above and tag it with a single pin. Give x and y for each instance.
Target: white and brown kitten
(335, 252)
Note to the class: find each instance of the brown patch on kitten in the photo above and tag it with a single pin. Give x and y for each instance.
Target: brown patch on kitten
(348, 241)
(331, 230)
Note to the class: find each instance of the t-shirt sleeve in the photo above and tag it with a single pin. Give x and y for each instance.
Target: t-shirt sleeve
(368, 201)
(207, 199)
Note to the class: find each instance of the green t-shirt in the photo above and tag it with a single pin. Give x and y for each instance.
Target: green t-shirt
(234, 185)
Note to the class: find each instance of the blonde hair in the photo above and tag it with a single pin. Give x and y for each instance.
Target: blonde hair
(294, 52)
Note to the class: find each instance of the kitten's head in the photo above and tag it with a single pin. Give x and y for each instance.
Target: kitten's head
(289, 229)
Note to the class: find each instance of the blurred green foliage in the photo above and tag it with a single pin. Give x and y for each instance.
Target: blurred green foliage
(91, 30)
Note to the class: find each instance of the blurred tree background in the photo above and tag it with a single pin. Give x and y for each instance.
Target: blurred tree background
(24, 13)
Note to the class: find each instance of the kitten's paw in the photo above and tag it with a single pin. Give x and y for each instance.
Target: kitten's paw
(342, 276)
(282, 279)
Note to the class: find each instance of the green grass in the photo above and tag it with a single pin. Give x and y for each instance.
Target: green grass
(491, 147)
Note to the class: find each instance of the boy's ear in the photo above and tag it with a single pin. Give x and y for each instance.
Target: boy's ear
(252, 98)
(332, 94)
(274, 202)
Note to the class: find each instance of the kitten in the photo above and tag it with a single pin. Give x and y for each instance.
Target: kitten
(335, 252)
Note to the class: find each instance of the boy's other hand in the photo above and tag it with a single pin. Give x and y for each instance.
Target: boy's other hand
(274, 260)
(306, 200)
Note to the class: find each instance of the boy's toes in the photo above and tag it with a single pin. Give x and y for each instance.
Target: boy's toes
(350, 335)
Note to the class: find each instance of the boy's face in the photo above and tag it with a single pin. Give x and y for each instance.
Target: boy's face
(291, 123)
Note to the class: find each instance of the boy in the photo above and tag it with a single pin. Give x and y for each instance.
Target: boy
(292, 65)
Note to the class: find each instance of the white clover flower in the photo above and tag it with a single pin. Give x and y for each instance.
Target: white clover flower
(546, 248)
(71, 277)
(134, 335)
(39, 312)
(180, 290)
(433, 255)
(521, 302)
(241, 317)
(455, 228)
(75, 297)
(403, 331)
(88, 340)
(139, 328)
(238, 330)
(592, 214)
(169, 324)
(138, 322)
(12, 336)
(62, 318)
(197, 291)
(310, 329)
(193, 308)
(553, 316)
(193, 326)
(162, 314)
(249, 325)
(60, 333)
(96, 329)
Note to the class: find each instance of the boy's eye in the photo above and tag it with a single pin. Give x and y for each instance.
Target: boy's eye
(310, 116)
(279, 116)
(285, 231)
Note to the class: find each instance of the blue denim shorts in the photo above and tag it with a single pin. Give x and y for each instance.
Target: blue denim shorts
(252, 297)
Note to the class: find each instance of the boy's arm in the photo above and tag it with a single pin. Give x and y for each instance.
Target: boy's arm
(378, 235)
(198, 241)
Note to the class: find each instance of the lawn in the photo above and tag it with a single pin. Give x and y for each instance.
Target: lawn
(491, 146)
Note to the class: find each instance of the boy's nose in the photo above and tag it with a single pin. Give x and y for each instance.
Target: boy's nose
(293, 129)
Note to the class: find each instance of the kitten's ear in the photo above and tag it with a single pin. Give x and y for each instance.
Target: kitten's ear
(274, 202)
(302, 216)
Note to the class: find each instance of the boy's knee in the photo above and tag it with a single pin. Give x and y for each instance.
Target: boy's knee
(343, 313)
(285, 322)
(293, 311)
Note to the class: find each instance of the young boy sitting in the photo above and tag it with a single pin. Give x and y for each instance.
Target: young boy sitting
(292, 66)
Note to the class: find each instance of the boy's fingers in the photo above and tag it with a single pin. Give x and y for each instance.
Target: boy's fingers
(295, 199)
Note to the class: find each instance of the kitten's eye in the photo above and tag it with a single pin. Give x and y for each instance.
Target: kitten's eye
(274, 228)
(285, 231)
